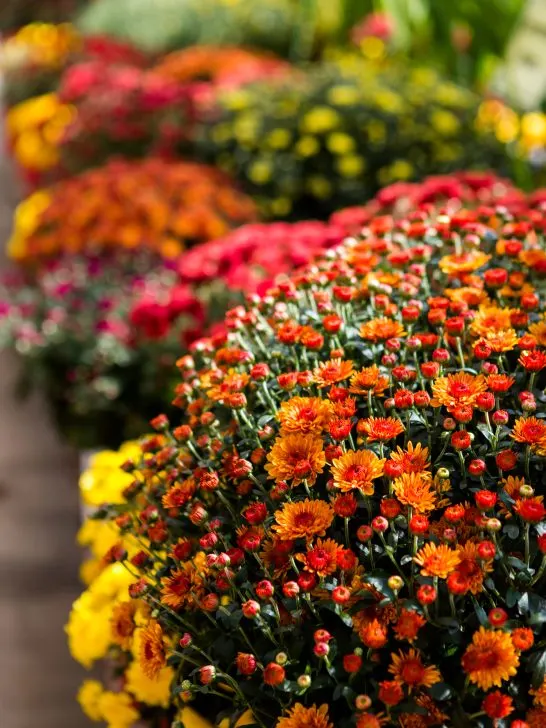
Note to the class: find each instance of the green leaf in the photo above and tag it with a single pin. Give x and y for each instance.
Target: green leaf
(511, 530)
(536, 664)
(441, 691)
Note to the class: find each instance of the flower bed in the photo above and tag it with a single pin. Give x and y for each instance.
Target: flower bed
(152, 204)
(311, 144)
(343, 525)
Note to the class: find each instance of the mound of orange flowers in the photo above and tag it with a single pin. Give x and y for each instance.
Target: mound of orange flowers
(154, 204)
(345, 524)
(222, 66)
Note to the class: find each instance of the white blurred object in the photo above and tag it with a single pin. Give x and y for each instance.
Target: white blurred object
(522, 78)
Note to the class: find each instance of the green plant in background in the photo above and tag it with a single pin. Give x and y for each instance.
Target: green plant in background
(466, 38)
(314, 143)
(164, 25)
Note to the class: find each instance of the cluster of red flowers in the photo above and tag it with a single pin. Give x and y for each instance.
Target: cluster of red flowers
(347, 513)
(474, 189)
(120, 110)
(249, 258)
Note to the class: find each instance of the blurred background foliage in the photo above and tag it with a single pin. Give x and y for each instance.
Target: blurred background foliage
(464, 38)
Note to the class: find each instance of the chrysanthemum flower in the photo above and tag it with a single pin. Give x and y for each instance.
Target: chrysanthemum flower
(490, 319)
(301, 717)
(296, 458)
(152, 649)
(459, 265)
(123, 623)
(369, 379)
(305, 415)
(408, 624)
(539, 695)
(357, 469)
(381, 329)
(332, 371)
(437, 560)
(303, 519)
(415, 491)
(500, 341)
(408, 669)
(496, 705)
(321, 558)
(529, 430)
(380, 429)
(413, 459)
(490, 659)
(457, 389)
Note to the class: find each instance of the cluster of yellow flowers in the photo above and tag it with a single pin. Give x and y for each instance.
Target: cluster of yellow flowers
(527, 132)
(35, 128)
(326, 139)
(104, 622)
(42, 45)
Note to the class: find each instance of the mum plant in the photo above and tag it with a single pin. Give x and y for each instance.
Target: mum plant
(344, 525)
(101, 333)
(152, 205)
(312, 143)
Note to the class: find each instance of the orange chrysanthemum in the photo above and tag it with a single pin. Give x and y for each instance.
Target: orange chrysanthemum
(437, 560)
(471, 568)
(523, 638)
(470, 295)
(321, 558)
(457, 389)
(412, 460)
(490, 319)
(231, 383)
(123, 623)
(303, 519)
(413, 490)
(380, 429)
(179, 494)
(538, 330)
(500, 341)
(408, 668)
(332, 371)
(371, 720)
(381, 329)
(367, 380)
(296, 458)
(459, 265)
(539, 695)
(490, 659)
(357, 469)
(529, 430)
(408, 624)
(306, 415)
(373, 634)
(152, 650)
(301, 717)
(536, 718)
(180, 588)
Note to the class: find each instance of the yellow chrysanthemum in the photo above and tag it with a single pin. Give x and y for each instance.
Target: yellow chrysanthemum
(117, 709)
(490, 659)
(150, 691)
(89, 695)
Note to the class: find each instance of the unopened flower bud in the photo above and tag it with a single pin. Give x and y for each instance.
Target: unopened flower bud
(251, 609)
(304, 681)
(493, 524)
(363, 702)
(321, 649)
(395, 582)
(526, 491)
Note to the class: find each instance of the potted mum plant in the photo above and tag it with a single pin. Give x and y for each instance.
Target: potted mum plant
(344, 525)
